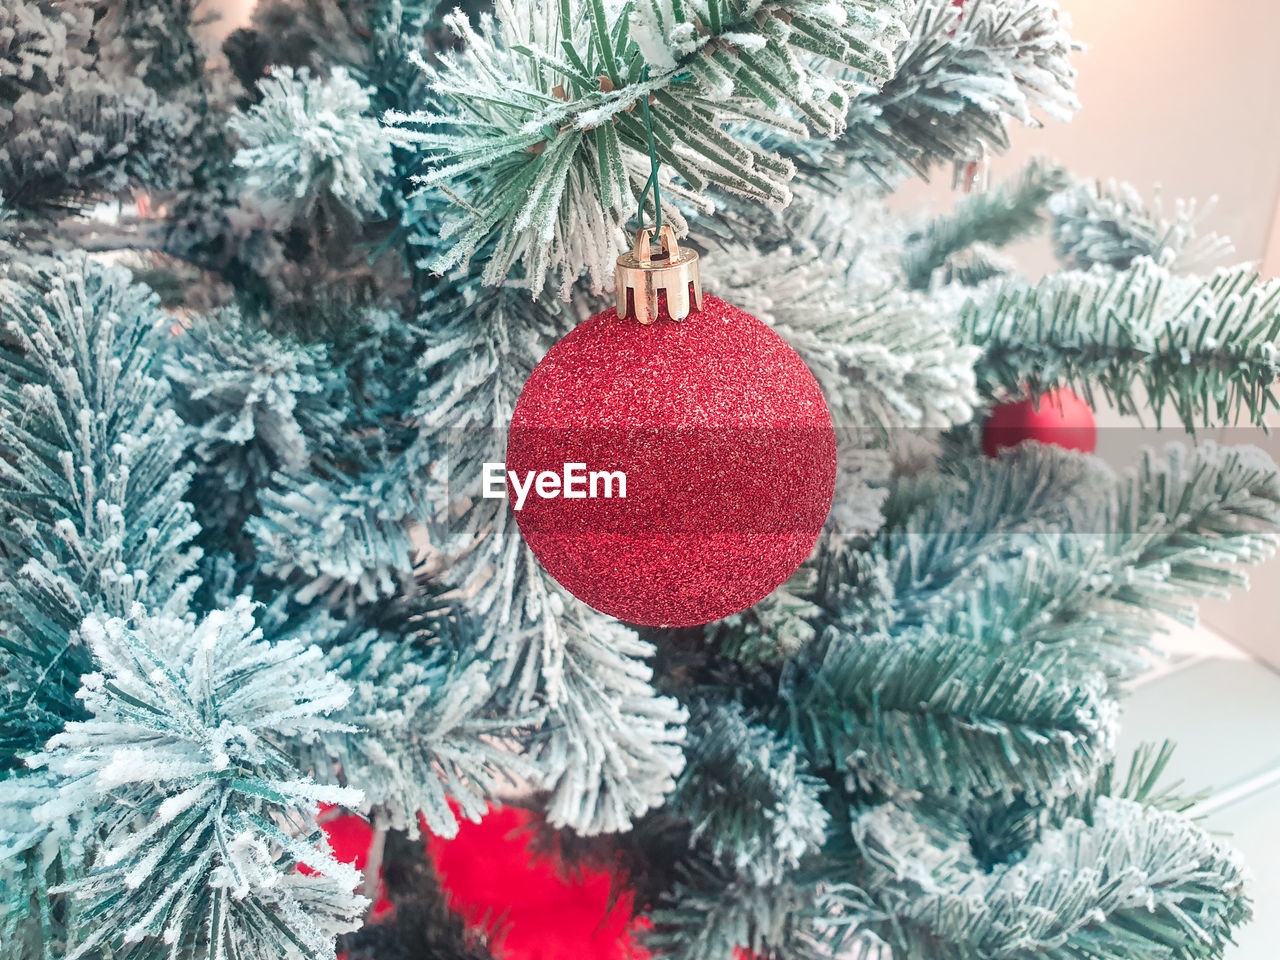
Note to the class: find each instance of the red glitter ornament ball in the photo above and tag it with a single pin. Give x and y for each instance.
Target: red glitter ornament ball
(1058, 417)
(727, 450)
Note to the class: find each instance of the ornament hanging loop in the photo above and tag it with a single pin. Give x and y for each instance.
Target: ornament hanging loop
(640, 277)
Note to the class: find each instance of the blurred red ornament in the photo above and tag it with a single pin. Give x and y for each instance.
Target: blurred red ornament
(726, 445)
(526, 902)
(1058, 417)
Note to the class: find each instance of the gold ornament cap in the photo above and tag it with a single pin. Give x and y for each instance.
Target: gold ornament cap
(639, 277)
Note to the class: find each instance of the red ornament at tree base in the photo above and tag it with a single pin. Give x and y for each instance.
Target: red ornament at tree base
(1058, 417)
(529, 906)
(526, 904)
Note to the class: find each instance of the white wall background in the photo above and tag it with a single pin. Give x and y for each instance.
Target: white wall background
(231, 15)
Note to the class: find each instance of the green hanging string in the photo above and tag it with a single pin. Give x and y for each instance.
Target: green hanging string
(652, 182)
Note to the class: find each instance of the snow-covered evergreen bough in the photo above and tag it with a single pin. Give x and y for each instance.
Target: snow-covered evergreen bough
(247, 572)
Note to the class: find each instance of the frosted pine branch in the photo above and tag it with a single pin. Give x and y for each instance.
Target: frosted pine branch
(1190, 519)
(772, 631)
(336, 538)
(709, 914)
(255, 400)
(1205, 347)
(1061, 536)
(532, 126)
(35, 856)
(429, 732)
(1022, 590)
(1110, 224)
(1082, 889)
(200, 819)
(965, 73)
(1006, 213)
(80, 112)
(749, 796)
(309, 136)
(611, 747)
(936, 710)
(92, 480)
(841, 306)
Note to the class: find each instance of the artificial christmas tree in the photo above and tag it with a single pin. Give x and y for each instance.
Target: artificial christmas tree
(247, 567)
